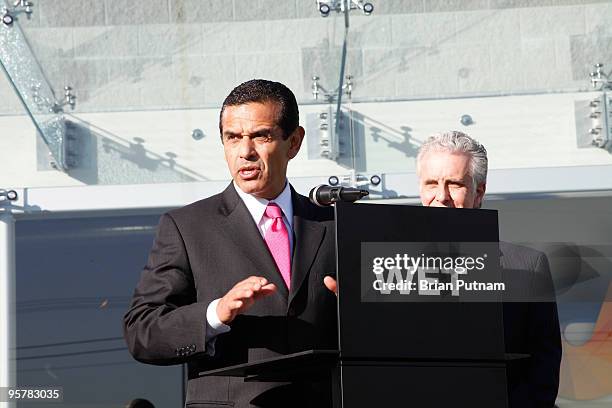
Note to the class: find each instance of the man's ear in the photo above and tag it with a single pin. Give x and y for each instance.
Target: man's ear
(480, 192)
(295, 142)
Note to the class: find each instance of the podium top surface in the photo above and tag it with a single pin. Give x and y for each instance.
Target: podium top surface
(288, 365)
(308, 363)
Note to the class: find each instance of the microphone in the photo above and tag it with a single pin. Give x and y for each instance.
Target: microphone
(324, 195)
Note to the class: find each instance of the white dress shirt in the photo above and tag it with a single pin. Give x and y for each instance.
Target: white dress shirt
(257, 208)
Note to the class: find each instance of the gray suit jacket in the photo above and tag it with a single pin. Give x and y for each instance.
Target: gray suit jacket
(531, 328)
(199, 253)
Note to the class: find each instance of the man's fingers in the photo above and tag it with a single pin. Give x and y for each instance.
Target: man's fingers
(265, 290)
(269, 286)
(331, 284)
(242, 296)
(255, 279)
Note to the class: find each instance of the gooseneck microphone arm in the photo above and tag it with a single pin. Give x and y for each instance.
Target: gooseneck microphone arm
(324, 195)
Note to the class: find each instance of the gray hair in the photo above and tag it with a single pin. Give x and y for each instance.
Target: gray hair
(458, 142)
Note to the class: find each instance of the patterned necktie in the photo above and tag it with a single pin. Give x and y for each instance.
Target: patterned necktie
(277, 239)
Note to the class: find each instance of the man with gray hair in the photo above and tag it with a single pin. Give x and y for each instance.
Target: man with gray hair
(452, 172)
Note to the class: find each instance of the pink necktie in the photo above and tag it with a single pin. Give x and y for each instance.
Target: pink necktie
(277, 239)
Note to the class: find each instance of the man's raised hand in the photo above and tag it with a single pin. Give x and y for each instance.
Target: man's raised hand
(242, 296)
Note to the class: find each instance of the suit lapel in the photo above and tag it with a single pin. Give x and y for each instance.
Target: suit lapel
(308, 237)
(239, 225)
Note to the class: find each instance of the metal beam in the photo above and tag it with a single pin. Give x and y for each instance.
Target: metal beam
(7, 298)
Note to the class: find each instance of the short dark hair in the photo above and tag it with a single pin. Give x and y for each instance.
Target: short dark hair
(261, 91)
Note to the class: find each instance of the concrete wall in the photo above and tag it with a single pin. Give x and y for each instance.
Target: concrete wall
(520, 132)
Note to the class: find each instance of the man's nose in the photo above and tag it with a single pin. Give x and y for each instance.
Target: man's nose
(246, 148)
(442, 194)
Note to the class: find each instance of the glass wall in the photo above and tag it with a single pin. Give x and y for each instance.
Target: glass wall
(182, 53)
(575, 233)
(74, 280)
(149, 79)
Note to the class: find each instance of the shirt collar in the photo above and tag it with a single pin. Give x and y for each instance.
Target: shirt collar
(257, 206)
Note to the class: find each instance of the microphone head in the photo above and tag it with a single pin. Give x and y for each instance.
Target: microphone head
(313, 196)
(324, 195)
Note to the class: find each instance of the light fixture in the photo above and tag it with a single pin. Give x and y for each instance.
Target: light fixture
(324, 9)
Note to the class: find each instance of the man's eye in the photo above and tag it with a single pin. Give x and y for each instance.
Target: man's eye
(263, 137)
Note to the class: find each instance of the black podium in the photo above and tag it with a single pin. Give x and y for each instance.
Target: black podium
(418, 347)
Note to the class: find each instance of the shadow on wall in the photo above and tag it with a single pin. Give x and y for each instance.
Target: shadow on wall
(96, 156)
(359, 135)
(404, 144)
(401, 141)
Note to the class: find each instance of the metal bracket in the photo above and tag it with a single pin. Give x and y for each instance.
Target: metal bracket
(324, 141)
(317, 88)
(340, 6)
(600, 80)
(9, 14)
(8, 195)
(53, 106)
(593, 122)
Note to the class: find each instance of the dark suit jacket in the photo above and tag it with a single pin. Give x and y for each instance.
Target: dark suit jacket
(531, 327)
(199, 253)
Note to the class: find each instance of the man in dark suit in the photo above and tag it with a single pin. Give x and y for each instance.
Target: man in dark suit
(238, 277)
(452, 171)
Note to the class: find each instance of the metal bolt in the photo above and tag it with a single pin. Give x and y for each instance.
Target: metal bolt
(466, 120)
(11, 195)
(197, 134)
(7, 19)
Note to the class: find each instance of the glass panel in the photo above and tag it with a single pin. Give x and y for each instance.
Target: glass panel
(178, 59)
(442, 49)
(575, 234)
(373, 144)
(75, 278)
(150, 79)
(23, 71)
